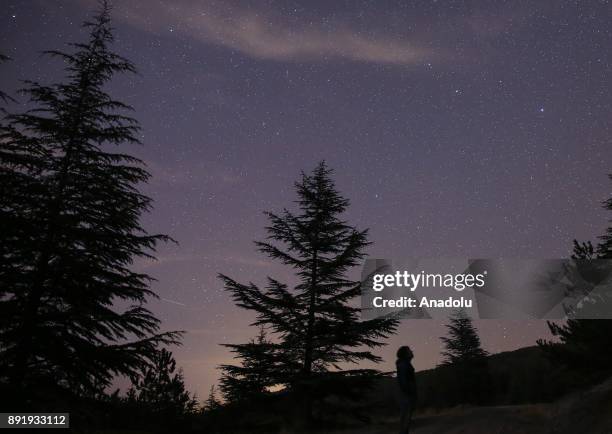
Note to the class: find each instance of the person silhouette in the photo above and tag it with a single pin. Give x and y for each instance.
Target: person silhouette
(407, 387)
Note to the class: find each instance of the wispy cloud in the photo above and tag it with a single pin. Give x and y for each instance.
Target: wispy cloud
(264, 34)
(258, 30)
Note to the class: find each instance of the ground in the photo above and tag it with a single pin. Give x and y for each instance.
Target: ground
(588, 412)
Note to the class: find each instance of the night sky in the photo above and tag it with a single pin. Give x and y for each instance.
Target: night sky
(456, 128)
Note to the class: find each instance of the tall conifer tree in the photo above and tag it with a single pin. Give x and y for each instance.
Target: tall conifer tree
(318, 329)
(70, 212)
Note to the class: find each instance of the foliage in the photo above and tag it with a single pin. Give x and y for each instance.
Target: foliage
(604, 248)
(70, 212)
(161, 390)
(582, 345)
(462, 345)
(212, 403)
(466, 361)
(259, 362)
(316, 326)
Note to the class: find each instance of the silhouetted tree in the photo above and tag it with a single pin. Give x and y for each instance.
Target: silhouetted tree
(462, 345)
(583, 344)
(161, 390)
(604, 248)
(258, 369)
(211, 403)
(584, 251)
(466, 360)
(70, 218)
(317, 327)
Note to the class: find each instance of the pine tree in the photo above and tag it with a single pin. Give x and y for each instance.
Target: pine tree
(318, 330)
(462, 345)
(584, 251)
(70, 212)
(161, 390)
(604, 248)
(583, 344)
(466, 360)
(258, 370)
(211, 403)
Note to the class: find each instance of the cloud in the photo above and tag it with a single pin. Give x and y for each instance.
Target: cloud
(266, 35)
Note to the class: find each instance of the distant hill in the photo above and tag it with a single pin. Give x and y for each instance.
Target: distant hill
(513, 377)
(521, 391)
(586, 411)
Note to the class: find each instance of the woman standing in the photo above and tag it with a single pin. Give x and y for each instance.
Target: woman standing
(407, 385)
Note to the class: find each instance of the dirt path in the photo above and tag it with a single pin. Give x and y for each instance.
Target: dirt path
(523, 419)
(586, 412)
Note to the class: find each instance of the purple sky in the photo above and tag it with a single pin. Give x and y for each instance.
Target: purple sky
(456, 131)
